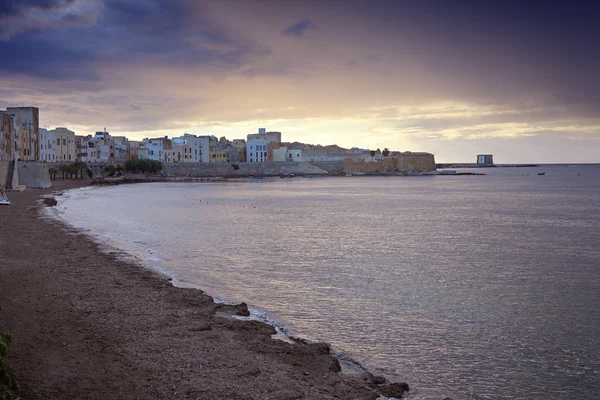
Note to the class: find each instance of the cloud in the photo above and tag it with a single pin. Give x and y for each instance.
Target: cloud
(41, 15)
(402, 75)
(298, 28)
(39, 56)
(20, 7)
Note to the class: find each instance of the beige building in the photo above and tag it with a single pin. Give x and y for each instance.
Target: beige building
(8, 138)
(28, 125)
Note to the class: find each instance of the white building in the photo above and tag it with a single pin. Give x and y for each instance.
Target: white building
(155, 149)
(196, 148)
(257, 145)
(47, 145)
(256, 149)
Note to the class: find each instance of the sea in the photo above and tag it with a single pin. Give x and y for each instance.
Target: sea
(467, 286)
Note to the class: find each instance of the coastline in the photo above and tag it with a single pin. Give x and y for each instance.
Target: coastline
(90, 325)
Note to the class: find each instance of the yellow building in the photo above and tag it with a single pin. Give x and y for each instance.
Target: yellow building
(218, 156)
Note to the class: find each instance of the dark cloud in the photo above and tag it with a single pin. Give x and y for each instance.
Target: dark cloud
(298, 28)
(149, 31)
(41, 56)
(18, 7)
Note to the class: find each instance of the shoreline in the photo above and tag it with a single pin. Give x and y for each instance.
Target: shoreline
(89, 324)
(347, 363)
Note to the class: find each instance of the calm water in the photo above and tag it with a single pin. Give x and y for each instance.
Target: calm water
(475, 287)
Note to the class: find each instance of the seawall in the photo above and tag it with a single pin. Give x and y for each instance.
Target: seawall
(31, 174)
(34, 175)
(5, 173)
(241, 169)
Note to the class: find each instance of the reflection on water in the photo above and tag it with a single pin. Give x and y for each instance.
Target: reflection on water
(475, 287)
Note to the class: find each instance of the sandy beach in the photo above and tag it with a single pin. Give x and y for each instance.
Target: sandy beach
(88, 325)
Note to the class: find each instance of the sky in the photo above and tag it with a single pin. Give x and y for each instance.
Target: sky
(516, 79)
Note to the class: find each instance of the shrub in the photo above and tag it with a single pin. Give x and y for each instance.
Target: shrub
(143, 165)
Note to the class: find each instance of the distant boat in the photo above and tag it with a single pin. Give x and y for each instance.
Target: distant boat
(3, 198)
(541, 173)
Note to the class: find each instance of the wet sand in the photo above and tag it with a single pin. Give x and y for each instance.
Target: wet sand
(89, 325)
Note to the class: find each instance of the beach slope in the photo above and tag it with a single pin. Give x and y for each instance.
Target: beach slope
(88, 325)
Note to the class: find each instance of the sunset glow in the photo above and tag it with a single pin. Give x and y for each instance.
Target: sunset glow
(516, 79)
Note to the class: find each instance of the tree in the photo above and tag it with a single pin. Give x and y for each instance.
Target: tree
(372, 153)
(386, 152)
(52, 172)
(143, 165)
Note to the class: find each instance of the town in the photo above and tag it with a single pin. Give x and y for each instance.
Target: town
(22, 139)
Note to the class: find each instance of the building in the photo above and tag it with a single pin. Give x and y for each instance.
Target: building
(8, 137)
(257, 145)
(85, 148)
(47, 145)
(58, 145)
(284, 153)
(182, 151)
(218, 156)
(65, 145)
(133, 147)
(199, 148)
(485, 159)
(237, 152)
(28, 125)
(155, 149)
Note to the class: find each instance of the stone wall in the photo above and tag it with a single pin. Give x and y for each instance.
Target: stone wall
(332, 167)
(5, 177)
(416, 162)
(399, 163)
(244, 169)
(34, 175)
(376, 165)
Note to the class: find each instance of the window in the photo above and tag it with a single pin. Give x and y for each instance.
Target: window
(64, 142)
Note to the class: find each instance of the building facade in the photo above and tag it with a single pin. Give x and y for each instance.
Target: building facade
(28, 125)
(485, 159)
(58, 145)
(257, 145)
(8, 137)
